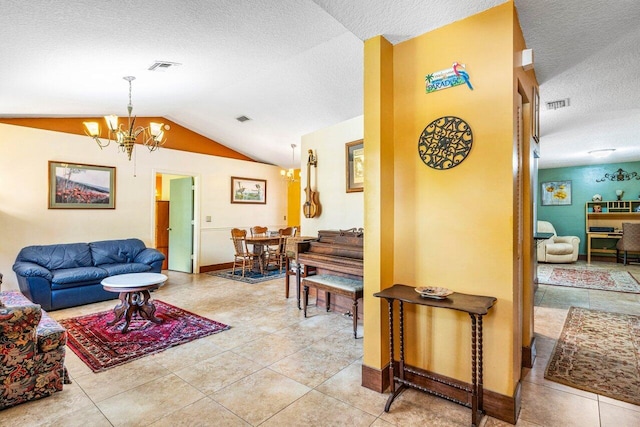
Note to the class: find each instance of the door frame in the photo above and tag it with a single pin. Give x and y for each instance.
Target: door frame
(196, 209)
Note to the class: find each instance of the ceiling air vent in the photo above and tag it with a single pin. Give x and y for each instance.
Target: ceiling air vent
(242, 119)
(162, 65)
(561, 103)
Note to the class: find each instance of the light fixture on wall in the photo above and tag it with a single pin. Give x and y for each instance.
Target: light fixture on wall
(602, 153)
(152, 136)
(290, 175)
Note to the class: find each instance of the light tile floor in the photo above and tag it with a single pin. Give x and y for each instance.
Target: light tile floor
(275, 368)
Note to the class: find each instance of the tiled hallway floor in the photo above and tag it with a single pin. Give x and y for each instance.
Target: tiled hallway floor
(275, 368)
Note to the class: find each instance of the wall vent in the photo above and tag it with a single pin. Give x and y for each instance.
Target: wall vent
(243, 119)
(561, 103)
(162, 65)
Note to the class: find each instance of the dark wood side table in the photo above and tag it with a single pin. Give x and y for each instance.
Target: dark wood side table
(475, 305)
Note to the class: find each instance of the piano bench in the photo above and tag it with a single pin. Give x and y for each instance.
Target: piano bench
(337, 285)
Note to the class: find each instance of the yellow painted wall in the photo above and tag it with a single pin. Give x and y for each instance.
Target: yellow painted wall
(452, 228)
(524, 83)
(379, 207)
(293, 201)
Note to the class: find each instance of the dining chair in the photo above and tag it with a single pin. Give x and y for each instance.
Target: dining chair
(278, 253)
(259, 231)
(242, 253)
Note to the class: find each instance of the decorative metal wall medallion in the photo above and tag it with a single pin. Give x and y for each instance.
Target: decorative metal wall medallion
(619, 175)
(445, 142)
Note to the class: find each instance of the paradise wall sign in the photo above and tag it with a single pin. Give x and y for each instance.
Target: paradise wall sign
(444, 79)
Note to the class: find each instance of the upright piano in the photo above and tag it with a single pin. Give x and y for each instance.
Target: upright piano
(335, 252)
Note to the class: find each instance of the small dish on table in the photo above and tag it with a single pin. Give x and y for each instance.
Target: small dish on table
(433, 292)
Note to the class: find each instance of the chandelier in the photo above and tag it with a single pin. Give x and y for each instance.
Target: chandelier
(289, 175)
(152, 136)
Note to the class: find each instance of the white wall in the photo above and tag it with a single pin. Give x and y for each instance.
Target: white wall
(26, 220)
(340, 210)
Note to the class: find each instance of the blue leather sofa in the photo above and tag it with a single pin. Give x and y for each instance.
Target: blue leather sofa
(67, 275)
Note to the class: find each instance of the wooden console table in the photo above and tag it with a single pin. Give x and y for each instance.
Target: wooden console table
(476, 306)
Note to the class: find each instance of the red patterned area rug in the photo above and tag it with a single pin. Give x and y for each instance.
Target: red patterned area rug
(101, 346)
(599, 352)
(588, 278)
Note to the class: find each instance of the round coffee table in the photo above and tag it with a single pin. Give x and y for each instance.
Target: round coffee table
(134, 296)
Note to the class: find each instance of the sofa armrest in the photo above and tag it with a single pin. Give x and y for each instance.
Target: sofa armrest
(30, 269)
(149, 256)
(17, 321)
(573, 240)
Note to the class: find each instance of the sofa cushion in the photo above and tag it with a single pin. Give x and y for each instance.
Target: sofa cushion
(56, 257)
(116, 251)
(75, 275)
(133, 267)
(559, 248)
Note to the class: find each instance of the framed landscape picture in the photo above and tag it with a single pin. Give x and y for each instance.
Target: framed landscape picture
(79, 186)
(556, 193)
(355, 166)
(248, 190)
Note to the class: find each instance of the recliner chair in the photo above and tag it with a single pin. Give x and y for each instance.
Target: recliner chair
(557, 249)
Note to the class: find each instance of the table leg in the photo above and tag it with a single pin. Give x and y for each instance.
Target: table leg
(474, 373)
(286, 277)
(480, 364)
(355, 318)
(298, 273)
(392, 380)
(131, 303)
(147, 308)
(120, 309)
(258, 258)
(401, 324)
(305, 299)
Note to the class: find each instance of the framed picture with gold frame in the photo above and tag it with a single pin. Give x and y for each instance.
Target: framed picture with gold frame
(80, 186)
(354, 160)
(248, 190)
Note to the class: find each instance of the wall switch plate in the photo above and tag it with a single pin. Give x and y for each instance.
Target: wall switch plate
(208, 218)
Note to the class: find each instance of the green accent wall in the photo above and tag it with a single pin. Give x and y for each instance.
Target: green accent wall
(570, 220)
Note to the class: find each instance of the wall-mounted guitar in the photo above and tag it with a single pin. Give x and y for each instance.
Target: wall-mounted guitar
(311, 207)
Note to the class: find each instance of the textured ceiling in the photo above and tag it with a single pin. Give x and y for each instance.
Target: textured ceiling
(295, 66)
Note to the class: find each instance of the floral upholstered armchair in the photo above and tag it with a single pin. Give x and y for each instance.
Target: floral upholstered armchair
(32, 350)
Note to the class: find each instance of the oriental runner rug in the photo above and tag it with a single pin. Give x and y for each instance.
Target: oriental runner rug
(101, 346)
(249, 276)
(588, 278)
(599, 352)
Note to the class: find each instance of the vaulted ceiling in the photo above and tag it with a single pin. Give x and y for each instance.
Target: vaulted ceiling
(295, 66)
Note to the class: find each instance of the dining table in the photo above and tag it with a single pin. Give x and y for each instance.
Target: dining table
(260, 245)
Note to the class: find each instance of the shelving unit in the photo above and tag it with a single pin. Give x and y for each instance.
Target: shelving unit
(612, 215)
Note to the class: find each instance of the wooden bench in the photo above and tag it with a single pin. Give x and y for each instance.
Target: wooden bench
(338, 285)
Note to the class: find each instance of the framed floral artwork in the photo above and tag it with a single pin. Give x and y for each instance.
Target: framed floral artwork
(80, 186)
(556, 193)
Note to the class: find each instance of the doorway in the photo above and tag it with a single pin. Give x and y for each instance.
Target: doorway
(175, 221)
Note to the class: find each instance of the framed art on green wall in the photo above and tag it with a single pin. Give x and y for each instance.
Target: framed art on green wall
(556, 193)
